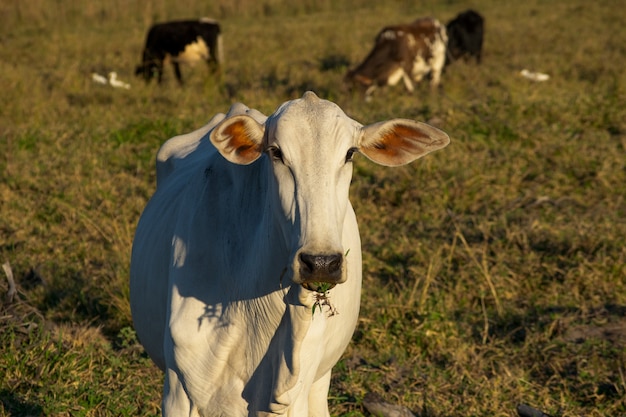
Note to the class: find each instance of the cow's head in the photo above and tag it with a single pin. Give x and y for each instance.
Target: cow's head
(311, 143)
(357, 82)
(389, 55)
(147, 70)
(142, 71)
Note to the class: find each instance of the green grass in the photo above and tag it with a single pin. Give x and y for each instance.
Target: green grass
(494, 270)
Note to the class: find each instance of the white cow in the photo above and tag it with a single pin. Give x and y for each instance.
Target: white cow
(249, 222)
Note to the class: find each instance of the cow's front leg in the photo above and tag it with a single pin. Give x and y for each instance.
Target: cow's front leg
(407, 82)
(179, 76)
(159, 71)
(368, 93)
(318, 397)
(176, 402)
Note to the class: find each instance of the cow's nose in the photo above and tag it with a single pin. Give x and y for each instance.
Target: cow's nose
(324, 268)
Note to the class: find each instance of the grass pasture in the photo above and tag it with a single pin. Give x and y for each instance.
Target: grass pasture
(494, 270)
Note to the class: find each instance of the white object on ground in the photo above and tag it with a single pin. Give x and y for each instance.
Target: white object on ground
(534, 76)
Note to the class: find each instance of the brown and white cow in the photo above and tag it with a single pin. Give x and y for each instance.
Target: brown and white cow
(181, 41)
(403, 52)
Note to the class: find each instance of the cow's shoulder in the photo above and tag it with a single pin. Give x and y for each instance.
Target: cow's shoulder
(180, 152)
(176, 150)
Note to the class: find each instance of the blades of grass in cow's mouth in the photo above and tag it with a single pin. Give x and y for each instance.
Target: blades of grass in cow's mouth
(319, 287)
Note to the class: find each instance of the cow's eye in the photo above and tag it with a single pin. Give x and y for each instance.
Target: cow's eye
(275, 154)
(350, 154)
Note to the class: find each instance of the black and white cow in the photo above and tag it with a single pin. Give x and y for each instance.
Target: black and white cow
(182, 41)
(465, 36)
(402, 52)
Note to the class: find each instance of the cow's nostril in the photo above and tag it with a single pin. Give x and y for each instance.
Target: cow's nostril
(321, 265)
(307, 262)
(333, 262)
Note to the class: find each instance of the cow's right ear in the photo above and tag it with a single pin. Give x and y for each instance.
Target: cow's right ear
(239, 139)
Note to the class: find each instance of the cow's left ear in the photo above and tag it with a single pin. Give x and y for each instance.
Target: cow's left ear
(400, 141)
(239, 139)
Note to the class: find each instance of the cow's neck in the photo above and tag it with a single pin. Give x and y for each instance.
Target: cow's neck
(291, 333)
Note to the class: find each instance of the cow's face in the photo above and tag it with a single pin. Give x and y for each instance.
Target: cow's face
(357, 82)
(147, 70)
(143, 71)
(383, 65)
(310, 144)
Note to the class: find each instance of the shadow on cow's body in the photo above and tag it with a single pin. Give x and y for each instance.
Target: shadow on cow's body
(222, 282)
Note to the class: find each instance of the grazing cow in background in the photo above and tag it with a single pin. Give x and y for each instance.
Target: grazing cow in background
(246, 263)
(465, 36)
(183, 41)
(403, 52)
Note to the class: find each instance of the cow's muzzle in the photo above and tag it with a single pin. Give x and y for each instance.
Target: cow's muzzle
(316, 268)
